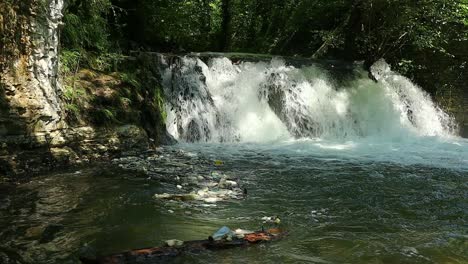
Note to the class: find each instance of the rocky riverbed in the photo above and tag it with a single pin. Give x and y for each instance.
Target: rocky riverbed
(190, 180)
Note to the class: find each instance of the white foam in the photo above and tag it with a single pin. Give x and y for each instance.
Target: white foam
(231, 103)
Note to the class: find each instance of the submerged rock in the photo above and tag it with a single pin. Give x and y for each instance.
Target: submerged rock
(180, 197)
(179, 168)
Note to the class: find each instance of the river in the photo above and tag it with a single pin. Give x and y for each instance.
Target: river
(371, 174)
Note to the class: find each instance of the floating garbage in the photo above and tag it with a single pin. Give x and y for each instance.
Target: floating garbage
(223, 232)
(271, 219)
(174, 243)
(218, 163)
(174, 247)
(240, 233)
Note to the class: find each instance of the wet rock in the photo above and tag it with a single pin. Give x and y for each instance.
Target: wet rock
(63, 154)
(192, 179)
(212, 199)
(180, 197)
(49, 233)
(279, 88)
(177, 168)
(34, 232)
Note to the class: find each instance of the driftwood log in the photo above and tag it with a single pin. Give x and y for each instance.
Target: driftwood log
(165, 253)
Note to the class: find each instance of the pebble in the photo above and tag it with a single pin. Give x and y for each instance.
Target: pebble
(193, 179)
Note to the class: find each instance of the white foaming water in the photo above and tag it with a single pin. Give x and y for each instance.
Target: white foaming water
(258, 102)
(303, 110)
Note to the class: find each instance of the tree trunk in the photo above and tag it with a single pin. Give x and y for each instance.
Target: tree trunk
(225, 25)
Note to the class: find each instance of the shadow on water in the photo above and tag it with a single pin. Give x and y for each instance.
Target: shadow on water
(51, 219)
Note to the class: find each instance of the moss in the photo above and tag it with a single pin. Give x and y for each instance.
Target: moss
(106, 99)
(160, 101)
(130, 78)
(104, 116)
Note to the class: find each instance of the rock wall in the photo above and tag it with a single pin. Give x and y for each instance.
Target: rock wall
(30, 105)
(29, 83)
(35, 135)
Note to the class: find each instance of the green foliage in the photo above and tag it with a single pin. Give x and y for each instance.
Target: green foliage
(160, 102)
(419, 38)
(368, 29)
(69, 61)
(130, 78)
(393, 26)
(73, 111)
(104, 116)
(86, 25)
(177, 23)
(72, 94)
(104, 61)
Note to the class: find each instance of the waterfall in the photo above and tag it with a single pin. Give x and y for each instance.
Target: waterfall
(223, 101)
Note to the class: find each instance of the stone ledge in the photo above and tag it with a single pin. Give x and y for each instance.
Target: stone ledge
(25, 156)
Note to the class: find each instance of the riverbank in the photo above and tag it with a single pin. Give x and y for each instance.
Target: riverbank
(104, 116)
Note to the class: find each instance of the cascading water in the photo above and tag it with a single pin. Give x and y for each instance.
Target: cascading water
(267, 101)
(358, 171)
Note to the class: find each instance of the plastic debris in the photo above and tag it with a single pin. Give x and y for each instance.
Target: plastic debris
(174, 243)
(174, 248)
(218, 163)
(240, 233)
(277, 221)
(271, 219)
(223, 232)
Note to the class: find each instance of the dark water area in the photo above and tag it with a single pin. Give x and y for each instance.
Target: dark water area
(336, 209)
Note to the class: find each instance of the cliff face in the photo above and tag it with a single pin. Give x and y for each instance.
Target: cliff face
(35, 134)
(29, 68)
(30, 105)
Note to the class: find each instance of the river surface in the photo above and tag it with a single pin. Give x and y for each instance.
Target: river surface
(342, 202)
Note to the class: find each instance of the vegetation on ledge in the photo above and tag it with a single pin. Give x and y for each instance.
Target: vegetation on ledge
(424, 40)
